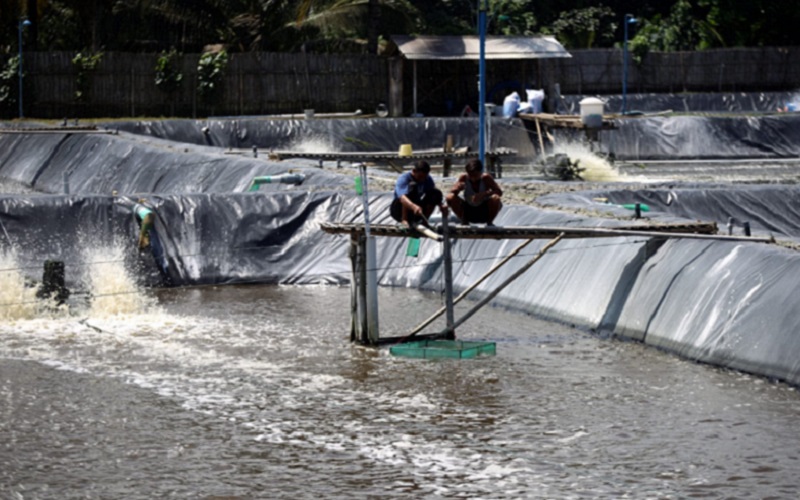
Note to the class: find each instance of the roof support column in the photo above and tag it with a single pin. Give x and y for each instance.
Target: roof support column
(396, 87)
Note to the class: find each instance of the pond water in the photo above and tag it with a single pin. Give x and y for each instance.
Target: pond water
(256, 392)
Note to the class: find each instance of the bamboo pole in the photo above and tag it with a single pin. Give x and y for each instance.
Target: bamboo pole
(493, 294)
(539, 133)
(472, 287)
(427, 232)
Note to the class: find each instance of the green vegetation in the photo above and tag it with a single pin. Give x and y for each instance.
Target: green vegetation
(210, 73)
(365, 25)
(9, 86)
(169, 76)
(85, 64)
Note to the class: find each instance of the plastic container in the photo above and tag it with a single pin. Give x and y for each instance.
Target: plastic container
(592, 112)
(405, 150)
(449, 349)
(510, 105)
(535, 99)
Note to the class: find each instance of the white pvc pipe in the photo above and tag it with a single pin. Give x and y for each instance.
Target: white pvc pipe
(373, 331)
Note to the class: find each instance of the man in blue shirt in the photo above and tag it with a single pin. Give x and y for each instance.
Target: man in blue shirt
(415, 195)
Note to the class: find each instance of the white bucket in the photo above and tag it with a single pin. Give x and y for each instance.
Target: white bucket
(309, 113)
(592, 112)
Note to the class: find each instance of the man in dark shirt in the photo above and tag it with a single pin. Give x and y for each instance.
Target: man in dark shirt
(415, 195)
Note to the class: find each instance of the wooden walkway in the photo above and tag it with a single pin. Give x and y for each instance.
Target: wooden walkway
(55, 130)
(392, 158)
(565, 121)
(698, 230)
(389, 155)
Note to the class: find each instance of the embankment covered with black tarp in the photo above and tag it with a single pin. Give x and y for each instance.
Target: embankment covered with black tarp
(635, 138)
(329, 135)
(768, 209)
(102, 163)
(724, 102)
(727, 303)
(233, 238)
(704, 137)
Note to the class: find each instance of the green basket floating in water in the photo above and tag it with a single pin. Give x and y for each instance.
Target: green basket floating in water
(437, 349)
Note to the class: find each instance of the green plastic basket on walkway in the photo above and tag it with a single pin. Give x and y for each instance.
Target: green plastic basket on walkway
(437, 349)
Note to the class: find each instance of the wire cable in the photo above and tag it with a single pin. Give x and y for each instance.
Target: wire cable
(312, 276)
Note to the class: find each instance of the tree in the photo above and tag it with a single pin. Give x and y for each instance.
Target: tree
(210, 76)
(750, 24)
(330, 23)
(168, 75)
(9, 86)
(582, 28)
(85, 64)
(683, 29)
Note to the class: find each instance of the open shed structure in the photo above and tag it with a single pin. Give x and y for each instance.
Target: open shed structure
(463, 48)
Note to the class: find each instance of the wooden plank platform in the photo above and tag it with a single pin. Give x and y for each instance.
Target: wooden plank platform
(377, 155)
(55, 130)
(565, 121)
(698, 230)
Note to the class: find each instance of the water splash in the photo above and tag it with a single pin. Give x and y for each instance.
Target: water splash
(313, 144)
(113, 287)
(597, 169)
(17, 299)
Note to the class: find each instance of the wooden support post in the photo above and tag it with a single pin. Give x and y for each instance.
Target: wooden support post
(447, 164)
(362, 290)
(504, 284)
(415, 89)
(396, 87)
(541, 139)
(492, 166)
(355, 318)
(371, 282)
(448, 161)
(448, 277)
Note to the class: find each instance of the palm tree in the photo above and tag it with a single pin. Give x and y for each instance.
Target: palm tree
(161, 24)
(350, 19)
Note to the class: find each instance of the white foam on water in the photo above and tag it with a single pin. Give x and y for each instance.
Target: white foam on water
(17, 301)
(314, 144)
(597, 169)
(197, 360)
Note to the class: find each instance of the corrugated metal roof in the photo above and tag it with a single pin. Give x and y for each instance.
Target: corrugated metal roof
(468, 47)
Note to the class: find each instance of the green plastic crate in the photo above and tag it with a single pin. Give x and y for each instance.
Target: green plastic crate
(434, 349)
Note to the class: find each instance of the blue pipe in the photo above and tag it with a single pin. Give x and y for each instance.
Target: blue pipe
(629, 19)
(22, 24)
(482, 81)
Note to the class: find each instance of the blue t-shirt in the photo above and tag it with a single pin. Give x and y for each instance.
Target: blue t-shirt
(406, 184)
(141, 211)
